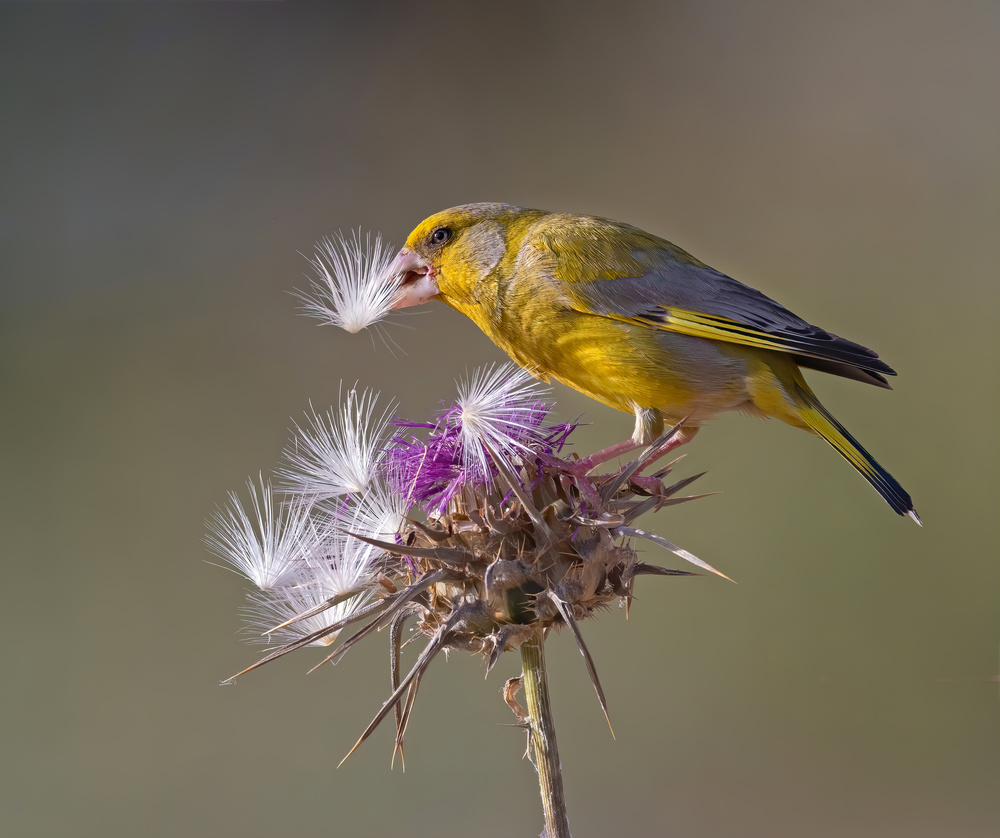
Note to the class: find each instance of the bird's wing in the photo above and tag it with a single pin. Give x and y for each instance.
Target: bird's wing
(637, 278)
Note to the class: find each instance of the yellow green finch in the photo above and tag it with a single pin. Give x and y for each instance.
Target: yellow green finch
(635, 322)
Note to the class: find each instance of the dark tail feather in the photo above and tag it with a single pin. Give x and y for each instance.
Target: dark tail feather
(817, 418)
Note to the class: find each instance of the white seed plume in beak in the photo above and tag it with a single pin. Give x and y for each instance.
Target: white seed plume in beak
(417, 281)
(354, 285)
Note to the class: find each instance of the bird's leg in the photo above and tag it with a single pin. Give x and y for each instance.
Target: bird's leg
(619, 449)
(648, 426)
(650, 483)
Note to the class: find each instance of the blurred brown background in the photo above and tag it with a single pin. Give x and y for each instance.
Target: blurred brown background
(162, 164)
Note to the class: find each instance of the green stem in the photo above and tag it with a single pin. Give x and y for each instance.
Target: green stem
(543, 738)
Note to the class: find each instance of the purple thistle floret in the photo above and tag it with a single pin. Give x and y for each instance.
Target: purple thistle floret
(498, 415)
(558, 435)
(426, 471)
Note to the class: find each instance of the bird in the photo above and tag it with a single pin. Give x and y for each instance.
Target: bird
(634, 321)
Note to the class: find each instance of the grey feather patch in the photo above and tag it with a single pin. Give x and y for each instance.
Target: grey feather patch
(486, 243)
(673, 284)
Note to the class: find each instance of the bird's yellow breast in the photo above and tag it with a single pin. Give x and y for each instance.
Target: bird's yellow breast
(620, 364)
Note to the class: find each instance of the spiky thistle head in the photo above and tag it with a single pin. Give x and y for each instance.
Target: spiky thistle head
(518, 539)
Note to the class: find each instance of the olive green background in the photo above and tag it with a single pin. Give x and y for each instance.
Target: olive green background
(163, 163)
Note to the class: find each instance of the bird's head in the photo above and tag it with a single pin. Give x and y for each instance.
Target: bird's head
(447, 254)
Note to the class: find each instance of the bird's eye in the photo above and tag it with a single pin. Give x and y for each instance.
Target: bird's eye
(440, 235)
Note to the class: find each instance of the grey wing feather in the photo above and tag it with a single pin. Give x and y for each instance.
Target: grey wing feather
(672, 282)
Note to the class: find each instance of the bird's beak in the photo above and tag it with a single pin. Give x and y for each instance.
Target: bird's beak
(417, 282)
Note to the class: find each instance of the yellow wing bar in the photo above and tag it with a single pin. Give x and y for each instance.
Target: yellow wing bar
(701, 325)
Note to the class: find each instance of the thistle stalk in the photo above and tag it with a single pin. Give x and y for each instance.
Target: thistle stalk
(542, 730)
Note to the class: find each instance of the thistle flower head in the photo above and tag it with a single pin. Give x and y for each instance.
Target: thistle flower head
(352, 287)
(520, 541)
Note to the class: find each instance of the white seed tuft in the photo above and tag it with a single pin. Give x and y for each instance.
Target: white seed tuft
(338, 452)
(266, 546)
(500, 409)
(352, 288)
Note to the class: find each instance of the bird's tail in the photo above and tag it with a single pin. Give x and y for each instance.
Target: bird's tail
(818, 419)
